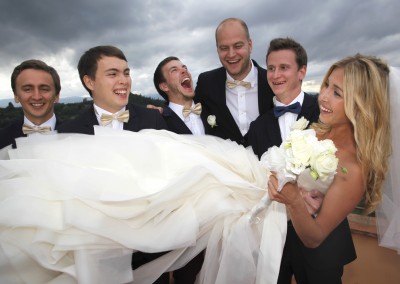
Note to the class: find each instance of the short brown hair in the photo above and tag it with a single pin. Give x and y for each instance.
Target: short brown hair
(289, 43)
(37, 65)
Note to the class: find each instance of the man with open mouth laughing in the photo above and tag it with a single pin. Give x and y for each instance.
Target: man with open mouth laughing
(174, 83)
(105, 74)
(36, 87)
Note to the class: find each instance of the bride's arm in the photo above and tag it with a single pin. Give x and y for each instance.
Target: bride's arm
(342, 197)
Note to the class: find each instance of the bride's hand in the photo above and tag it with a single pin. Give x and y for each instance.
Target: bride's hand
(312, 199)
(289, 194)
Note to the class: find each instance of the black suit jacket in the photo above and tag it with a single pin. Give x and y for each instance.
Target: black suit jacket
(264, 132)
(338, 248)
(9, 133)
(211, 93)
(139, 118)
(175, 123)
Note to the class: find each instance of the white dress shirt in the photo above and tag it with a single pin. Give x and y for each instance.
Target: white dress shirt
(115, 124)
(51, 123)
(287, 119)
(242, 102)
(193, 121)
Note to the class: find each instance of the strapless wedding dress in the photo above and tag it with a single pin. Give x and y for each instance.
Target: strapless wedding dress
(74, 207)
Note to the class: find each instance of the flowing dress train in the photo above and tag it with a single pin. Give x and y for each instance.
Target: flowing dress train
(74, 207)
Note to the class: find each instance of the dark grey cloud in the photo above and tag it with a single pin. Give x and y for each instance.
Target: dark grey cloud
(147, 31)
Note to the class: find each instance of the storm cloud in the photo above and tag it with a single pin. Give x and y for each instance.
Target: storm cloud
(58, 32)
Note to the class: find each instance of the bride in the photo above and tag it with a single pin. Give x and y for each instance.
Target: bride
(355, 115)
(74, 207)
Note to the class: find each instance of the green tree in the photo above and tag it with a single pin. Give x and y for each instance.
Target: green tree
(10, 106)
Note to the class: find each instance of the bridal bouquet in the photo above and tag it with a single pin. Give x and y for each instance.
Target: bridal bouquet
(303, 158)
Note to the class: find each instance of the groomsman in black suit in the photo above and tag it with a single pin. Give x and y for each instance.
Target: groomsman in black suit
(237, 93)
(36, 87)
(105, 74)
(287, 66)
(173, 82)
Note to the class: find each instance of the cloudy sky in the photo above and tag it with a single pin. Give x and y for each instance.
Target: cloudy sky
(59, 31)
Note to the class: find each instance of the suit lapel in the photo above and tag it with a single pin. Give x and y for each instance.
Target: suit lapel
(132, 124)
(17, 130)
(309, 108)
(274, 132)
(225, 113)
(58, 123)
(90, 120)
(205, 124)
(174, 122)
(265, 93)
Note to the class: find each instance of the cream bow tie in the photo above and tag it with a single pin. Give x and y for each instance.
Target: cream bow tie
(28, 129)
(187, 110)
(234, 84)
(106, 119)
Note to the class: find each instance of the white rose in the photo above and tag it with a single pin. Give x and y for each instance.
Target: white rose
(299, 124)
(324, 162)
(212, 120)
(300, 149)
(275, 160)
(295, 166)
(328, 146)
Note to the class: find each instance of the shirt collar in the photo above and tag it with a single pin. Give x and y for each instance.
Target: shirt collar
(51, 122)
(299, 98)
(99, 111)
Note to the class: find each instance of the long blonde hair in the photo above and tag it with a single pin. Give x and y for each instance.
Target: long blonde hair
(366, 104)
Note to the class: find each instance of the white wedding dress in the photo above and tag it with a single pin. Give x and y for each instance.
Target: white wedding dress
(74, 207)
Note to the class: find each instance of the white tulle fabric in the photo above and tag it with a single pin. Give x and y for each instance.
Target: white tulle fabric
(388, 212)
(74, 207)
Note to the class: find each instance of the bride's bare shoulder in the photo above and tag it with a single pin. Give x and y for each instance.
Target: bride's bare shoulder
(348, 166)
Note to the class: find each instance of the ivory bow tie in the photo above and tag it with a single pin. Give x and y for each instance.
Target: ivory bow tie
(234, 84)
(281, 110)
(106, 119)
(187, 110)
(28, 129)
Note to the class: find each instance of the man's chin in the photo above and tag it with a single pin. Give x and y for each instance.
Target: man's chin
(234, 72)
(123, 102)
(188, 94)
(37, 113)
